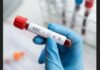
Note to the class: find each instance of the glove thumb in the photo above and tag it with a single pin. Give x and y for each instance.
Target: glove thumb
(52, 60)
(42, 57)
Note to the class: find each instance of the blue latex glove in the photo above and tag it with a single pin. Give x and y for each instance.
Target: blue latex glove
(58, 57)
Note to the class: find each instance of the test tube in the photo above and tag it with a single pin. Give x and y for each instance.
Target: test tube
(77, 7)
(64, 12)
(23, 23)
(13, 57)
(78, 4)
(88, 6)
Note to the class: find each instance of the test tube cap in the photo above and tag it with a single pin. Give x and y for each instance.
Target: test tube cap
(78, 2)
(18, 55)
(20, 22)
(89, 3)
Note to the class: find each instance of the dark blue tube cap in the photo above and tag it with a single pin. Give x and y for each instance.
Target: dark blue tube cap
(78, 2)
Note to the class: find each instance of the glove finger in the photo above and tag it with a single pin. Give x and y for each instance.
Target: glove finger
(42, 57)
(65, 31)
(38, 40)
(52, 55)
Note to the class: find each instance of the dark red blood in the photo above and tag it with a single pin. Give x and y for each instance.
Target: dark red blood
(67, 43)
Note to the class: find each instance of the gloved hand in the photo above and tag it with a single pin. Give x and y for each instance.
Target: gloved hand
(58, 57)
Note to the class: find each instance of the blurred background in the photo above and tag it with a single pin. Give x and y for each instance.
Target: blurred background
(64, 12)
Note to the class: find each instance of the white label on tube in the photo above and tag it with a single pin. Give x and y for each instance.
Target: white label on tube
(46, 33)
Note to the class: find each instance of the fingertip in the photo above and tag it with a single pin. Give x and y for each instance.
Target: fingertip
(38, 40)
(51, 25)
(40, 62)
(41, 59)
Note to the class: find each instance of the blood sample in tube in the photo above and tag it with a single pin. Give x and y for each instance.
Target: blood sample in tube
(88, 6)
(23, 23)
